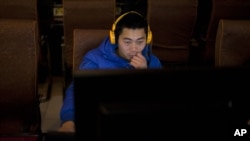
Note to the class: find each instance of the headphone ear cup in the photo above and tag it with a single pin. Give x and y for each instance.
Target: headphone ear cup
(112, 37)
(149, 38)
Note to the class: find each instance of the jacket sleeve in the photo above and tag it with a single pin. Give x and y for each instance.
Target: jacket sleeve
(67, 110)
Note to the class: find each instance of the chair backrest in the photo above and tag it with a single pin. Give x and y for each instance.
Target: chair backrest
(223, 9)
(232, 46)
(19, 103)
(172, 24)
(85, 40)
(86, 14)
(18, 9)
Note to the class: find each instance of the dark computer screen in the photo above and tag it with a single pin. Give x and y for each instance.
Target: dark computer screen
(157, 104)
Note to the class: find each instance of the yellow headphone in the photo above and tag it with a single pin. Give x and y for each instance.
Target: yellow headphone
(112, 32)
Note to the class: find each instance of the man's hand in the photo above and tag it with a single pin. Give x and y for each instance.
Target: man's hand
(68, 126)
(138, 61)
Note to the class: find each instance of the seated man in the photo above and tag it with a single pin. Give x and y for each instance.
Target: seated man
(127, 47)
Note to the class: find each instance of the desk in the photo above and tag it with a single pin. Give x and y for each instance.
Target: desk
(58, 136)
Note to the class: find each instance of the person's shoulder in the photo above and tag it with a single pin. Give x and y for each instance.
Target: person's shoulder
(155, 61)
(154, 57)
(93, 51)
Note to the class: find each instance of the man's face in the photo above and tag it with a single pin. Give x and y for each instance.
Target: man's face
(131, 42)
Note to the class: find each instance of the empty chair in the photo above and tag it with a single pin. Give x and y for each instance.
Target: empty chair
(19, 102)
(222, 9)
(85, 40)
(232, 46)
(172, 24)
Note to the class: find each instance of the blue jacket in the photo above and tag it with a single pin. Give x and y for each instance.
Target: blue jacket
(103, 57)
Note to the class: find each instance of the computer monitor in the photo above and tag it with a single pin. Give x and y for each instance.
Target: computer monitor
(156, 104)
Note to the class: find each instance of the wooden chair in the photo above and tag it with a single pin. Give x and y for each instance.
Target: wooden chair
(19, 102)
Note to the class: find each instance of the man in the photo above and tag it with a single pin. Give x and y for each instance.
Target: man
(127, 47)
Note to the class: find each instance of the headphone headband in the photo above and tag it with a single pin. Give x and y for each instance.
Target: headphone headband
(121, 16)
(112, 32)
